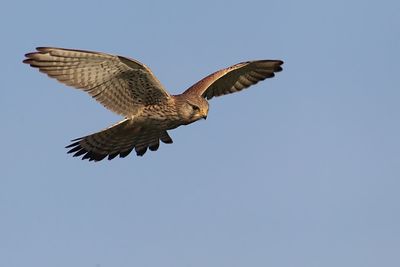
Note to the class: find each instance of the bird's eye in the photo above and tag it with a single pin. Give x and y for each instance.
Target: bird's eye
(195, 108)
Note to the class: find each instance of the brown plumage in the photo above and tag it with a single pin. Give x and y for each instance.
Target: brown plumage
(129, 88)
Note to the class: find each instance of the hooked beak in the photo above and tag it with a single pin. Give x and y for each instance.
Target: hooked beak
(204, 113)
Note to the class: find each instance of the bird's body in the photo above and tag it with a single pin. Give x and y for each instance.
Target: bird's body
(129, 88)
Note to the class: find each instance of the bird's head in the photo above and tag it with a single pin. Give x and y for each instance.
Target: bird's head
(193, 108)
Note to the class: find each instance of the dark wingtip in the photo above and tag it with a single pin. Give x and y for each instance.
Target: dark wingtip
(77, 139)
(29, 58)
(73, 144)
(88, 155)
(111, 156)
(29, 55)
(79, 151)
(167, 141)
(74, 149)
(125, 153)
(43, 48)
(141, 152)
(27, 61)
(154, 147)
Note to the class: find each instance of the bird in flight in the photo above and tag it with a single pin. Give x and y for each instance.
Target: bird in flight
(129, 88)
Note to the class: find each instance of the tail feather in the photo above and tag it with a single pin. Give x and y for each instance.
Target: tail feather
(119, 139)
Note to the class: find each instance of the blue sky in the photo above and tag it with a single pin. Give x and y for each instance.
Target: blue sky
(299, 170)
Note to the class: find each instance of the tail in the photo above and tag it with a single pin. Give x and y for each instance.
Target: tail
(119, 139)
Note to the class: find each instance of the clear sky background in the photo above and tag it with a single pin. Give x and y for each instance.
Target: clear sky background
(300, 170)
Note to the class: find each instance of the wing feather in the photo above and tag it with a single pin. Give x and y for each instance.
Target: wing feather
(122, 85)
(119, 139)
(235, 78)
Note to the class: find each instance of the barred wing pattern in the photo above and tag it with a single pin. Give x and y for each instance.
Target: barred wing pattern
(119, 139)
(122, 85)
(235, 78)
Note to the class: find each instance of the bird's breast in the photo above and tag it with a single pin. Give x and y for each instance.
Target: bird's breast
(163, 117)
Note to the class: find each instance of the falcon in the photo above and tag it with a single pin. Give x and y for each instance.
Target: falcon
(129, 88)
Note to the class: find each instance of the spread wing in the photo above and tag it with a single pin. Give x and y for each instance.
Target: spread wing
(119, 139)
(122, 85)
(235, 78)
